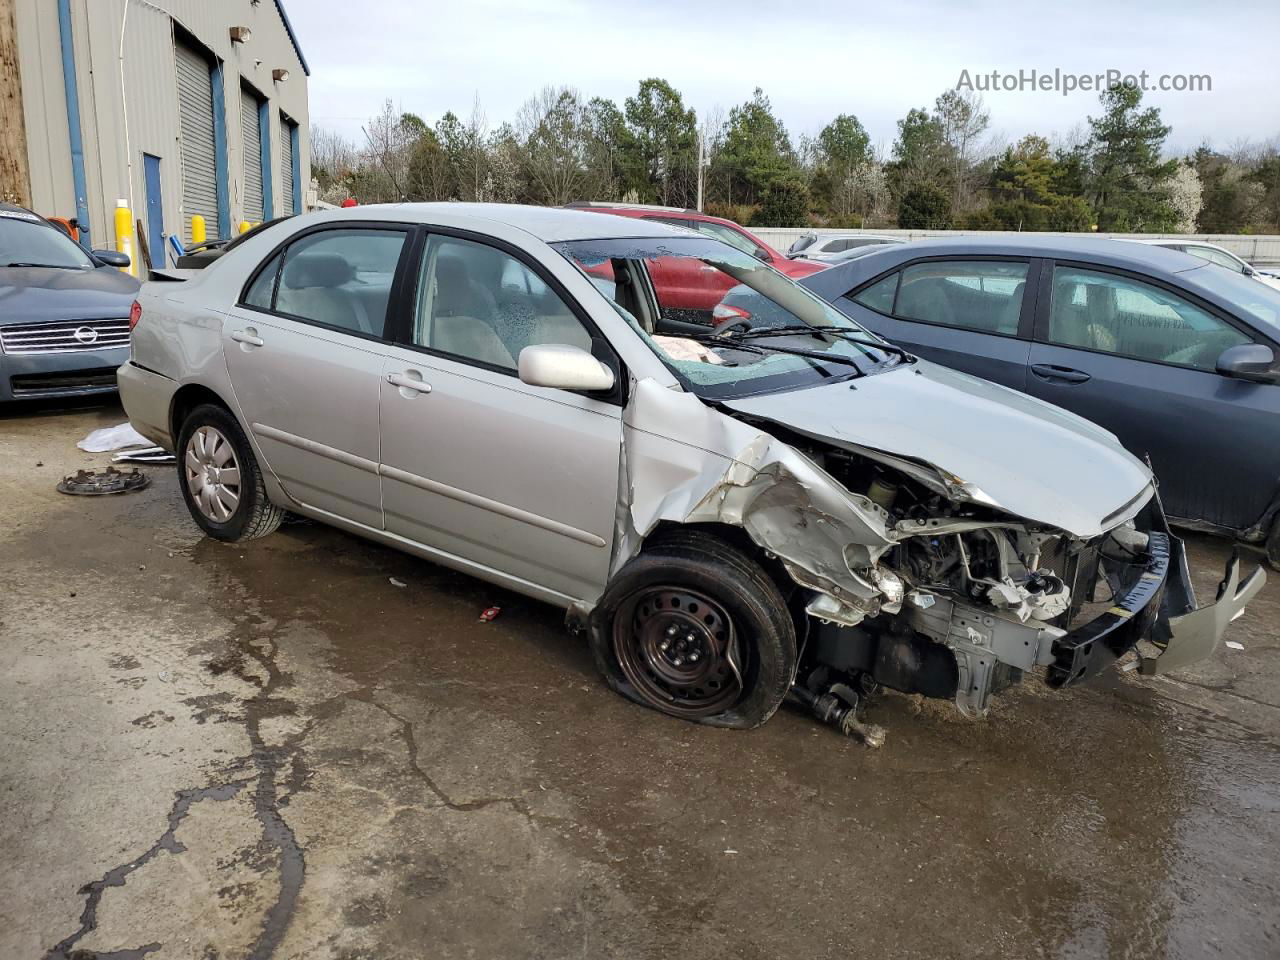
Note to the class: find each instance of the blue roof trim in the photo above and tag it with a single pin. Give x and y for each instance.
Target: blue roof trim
(293, 37)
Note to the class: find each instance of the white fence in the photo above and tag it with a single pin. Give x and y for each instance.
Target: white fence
(1263, 250)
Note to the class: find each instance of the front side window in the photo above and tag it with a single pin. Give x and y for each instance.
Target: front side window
(480, 304)
(770, 333)
(27, 241)
(337, 278)
(982, 295)
(741, 241)
(1115, 314)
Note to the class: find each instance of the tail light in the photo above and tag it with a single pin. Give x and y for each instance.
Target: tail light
(723, 311)
(135, 314)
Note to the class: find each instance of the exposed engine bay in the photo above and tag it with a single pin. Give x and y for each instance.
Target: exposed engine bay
(969, 599)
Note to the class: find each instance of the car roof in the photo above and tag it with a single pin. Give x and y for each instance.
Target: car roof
(1158, 262)
(549, 224)
(1139, 257)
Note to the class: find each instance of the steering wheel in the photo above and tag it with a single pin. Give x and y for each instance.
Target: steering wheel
(728, 326)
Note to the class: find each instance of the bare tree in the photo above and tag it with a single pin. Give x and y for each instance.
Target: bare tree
(554, 128)
(964, 119)
(388, 145)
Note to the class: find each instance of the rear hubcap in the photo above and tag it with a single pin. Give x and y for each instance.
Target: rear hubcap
(212, 474)
(674, 647)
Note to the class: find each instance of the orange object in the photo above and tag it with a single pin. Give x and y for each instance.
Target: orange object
(67, 225)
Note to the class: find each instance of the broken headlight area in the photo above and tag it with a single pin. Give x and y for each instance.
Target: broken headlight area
(970, 599)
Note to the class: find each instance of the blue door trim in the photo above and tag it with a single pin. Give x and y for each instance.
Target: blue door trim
(71, 89)
(297, 176)
(155, 211)
(224, 230)
(264, 138)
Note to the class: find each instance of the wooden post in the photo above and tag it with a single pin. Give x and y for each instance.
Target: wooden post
(15, 175)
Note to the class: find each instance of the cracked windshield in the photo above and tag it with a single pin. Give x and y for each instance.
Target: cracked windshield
(726, 324)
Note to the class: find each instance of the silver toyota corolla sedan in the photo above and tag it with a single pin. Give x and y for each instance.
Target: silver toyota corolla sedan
(733, 514)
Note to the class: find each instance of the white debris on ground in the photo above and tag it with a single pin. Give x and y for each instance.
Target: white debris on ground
(107, 439)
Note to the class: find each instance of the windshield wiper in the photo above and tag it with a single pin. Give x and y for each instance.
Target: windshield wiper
(847, 335)
(734, 343)
(49, 266)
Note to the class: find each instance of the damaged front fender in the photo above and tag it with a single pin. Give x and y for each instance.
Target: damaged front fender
(725, 471)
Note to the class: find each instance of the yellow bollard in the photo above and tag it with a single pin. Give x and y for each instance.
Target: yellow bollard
(244, 226)
(198, 234)
(124, 235)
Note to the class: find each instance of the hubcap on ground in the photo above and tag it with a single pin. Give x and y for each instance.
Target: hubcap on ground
(673, 646)
(212, 473)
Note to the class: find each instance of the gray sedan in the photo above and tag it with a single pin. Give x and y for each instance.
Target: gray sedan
(515, 392)
(64, 313)
(1176, 356)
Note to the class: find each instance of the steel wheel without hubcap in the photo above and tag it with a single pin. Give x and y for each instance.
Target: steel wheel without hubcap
(212, 473)
(676, 648)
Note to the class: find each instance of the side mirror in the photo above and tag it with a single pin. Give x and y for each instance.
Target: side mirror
(112, 258)
(563, 367)
(1249, 361)
(1249, 272)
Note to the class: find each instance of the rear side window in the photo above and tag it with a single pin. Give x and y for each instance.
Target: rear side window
(879, 296)
(980, 295)
(336, 278)
(262, 291)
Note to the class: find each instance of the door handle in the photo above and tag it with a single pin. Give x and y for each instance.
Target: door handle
(248, 336)
(406, 382)
(1051, 371)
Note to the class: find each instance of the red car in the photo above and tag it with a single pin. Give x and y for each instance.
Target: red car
(681, 285)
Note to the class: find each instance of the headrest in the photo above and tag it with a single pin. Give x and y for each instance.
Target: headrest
(317, 270)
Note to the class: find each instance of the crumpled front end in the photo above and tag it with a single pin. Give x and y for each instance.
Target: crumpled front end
(911, 577)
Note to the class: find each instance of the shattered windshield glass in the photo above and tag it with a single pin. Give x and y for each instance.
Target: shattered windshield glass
(726, 324)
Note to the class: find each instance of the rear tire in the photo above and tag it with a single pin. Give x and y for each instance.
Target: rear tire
(695, 628)
(220, 478)
(1273, 545)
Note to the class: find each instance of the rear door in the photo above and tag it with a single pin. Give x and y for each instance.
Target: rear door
(972, 314)
(1139, 358)
(305, 351)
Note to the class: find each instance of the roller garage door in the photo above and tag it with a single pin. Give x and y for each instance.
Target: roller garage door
(251, 123)
(286, 167)
(199, 164)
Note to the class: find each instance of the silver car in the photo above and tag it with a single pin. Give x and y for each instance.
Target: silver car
(733, 515)
(829, 246)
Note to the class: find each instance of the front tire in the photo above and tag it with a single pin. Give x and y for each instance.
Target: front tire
(695, 628)
(220, 478)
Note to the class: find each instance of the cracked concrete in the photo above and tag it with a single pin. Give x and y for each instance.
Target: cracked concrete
(270, 751)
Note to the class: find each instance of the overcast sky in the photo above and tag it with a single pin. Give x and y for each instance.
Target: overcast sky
(814, 60)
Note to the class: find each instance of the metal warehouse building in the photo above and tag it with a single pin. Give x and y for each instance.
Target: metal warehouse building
(177, 107)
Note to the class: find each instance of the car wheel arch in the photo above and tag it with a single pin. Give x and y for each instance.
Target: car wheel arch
(185, 399)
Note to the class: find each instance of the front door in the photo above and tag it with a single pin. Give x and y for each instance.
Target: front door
(972, 315)
(1140, 360)
(494, 474)
(305, 352)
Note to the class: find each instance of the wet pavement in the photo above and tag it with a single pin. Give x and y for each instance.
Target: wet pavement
(273, 750)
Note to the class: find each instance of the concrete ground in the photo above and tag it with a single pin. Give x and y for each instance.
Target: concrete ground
(211, 751)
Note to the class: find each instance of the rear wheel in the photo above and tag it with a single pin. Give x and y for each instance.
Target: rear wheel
(1273, 545)
(694, 628)
(220, 478)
